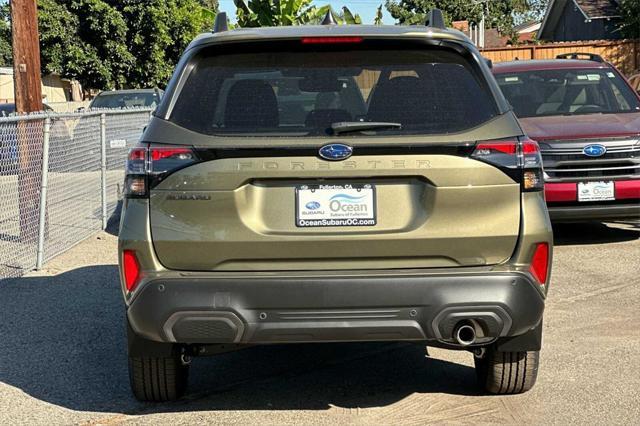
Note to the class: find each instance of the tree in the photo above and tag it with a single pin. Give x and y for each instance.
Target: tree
(6, 55)
(531, 10)
(350, 18)
(272, 13)
(630, 11)
(378, 18)
(107, 44)
(158, 31)
(209, 4)
(498, 13)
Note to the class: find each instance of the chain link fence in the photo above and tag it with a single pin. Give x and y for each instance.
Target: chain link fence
(60, 180)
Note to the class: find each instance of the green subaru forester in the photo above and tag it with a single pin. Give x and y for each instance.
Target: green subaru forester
(333, 184)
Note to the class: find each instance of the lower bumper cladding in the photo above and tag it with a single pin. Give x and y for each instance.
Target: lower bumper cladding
(345, 308)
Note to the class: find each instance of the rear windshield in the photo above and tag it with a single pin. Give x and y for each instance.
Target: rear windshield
(126, 100)
(304, 93)
(567, 92)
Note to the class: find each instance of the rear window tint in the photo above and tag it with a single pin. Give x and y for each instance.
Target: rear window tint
(302, 93)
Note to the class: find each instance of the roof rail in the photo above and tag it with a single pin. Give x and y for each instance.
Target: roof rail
(328, 18)
(220, 24)
(435, 19)
(581, 55)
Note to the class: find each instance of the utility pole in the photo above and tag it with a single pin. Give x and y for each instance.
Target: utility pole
(28, 98)
(26, 56)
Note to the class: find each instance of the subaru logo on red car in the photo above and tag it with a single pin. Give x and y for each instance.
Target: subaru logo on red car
(594, 150)
(335, 152)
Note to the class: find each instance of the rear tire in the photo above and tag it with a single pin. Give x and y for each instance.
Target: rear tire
(158, 379)
(503, 373)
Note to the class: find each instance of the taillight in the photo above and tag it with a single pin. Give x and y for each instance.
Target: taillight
(531, 163)
(519, 158)
(147, 165)
(131, 269)
(540, 263)
(501, 153)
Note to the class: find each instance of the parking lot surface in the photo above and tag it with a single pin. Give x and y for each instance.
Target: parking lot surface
(63, 360)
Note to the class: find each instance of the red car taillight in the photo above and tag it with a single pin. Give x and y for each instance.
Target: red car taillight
(147, 165)
(520, 158)
(540, 263)
(131, 269)
(330, 40)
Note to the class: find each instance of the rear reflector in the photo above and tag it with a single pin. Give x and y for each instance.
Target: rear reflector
(331, 40)
(540, 263)
(131, 269)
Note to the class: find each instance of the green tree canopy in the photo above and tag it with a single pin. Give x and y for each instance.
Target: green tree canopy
(157, 33)
(272, 13)
(108, 44)
(499, 14)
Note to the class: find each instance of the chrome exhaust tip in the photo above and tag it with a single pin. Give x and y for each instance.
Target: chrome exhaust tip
(465, 334)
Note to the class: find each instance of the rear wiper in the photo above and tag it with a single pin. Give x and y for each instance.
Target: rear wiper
(357, 126)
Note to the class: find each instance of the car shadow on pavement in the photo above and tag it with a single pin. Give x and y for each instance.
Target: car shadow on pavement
(595, 233)
(62, 340)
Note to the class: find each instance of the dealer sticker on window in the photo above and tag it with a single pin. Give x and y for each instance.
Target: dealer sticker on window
(335, 205)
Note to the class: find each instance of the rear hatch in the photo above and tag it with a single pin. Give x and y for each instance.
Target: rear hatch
(287, 178)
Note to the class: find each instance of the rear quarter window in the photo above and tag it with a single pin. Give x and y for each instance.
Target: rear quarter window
(285, 93)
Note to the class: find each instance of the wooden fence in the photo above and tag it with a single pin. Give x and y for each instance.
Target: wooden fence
(624, 54)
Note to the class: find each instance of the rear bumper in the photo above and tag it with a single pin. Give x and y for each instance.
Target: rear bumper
(594, 212)
(334, 308)
(563, 204)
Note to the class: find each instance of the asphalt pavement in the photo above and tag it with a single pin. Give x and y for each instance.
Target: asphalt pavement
(63, 361)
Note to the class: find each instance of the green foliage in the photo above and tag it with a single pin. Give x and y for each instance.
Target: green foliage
(108, 44)
(6, 54)
(630, 11)
(499, 14)
(350, 18)
(530, 10)
(273, 13)
(378, 18)
(158, 32)
(211, 5)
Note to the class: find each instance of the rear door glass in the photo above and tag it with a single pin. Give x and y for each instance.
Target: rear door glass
(303, 93)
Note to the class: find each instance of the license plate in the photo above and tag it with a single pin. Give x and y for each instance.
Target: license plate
(596, 191)
(335, 205)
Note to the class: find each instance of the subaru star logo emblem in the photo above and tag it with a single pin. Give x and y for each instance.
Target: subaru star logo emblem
(313, 205)
(335, 151)
(594, 150)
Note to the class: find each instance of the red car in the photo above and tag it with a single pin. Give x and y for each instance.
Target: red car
(586, 119)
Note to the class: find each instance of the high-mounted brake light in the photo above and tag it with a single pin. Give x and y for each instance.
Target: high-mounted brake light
(149, 164)
(331, 40)
(540, 263)
(131, 269)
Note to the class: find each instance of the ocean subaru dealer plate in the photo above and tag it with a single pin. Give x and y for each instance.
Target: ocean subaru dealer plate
(335, 205)
(596, 191)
